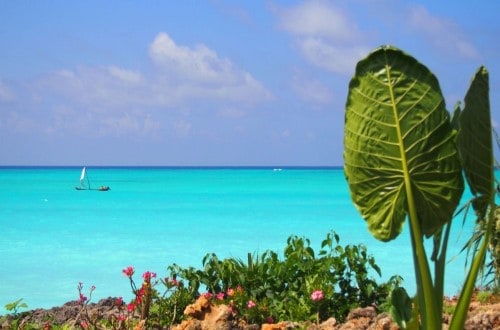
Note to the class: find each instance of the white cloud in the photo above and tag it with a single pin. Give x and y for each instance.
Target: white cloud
(115, 99)
(182, 128)
(312, 90)
(6, 94)
(100, 86)
(328, 36)
(324, 35)
(18, 123)
(124, 123)
(318, 19)
(202, 73)
(335, 58)
(128, 123)
(184, 75)
(125, 75)
(200, 64)
(231, 112)
(285, 133)
(442, 33)
(65, 117)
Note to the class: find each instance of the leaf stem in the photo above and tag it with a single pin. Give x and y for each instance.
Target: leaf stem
(425, 288)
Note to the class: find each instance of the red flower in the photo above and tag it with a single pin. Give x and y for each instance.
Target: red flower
(129, 271)
(131, 307)
(119, 301)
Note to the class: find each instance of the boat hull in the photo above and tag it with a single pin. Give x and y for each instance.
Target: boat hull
(103, 188)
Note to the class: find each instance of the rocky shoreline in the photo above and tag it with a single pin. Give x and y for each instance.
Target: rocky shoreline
(202, 315)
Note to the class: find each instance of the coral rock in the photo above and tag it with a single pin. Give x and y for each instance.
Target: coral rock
(488, 319)
(204, 316)
(198, 309)
(359, 318)
(277, 326)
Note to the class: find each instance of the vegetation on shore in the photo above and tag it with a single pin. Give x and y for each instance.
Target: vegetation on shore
(281, 291)
(304, 285)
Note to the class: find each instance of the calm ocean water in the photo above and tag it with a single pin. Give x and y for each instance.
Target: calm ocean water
(54, 236)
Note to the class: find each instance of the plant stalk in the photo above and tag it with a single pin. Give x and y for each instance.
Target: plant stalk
(460, 315)
(425, 288)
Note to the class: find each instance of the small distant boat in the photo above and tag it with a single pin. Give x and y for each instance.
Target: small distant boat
(85, 182)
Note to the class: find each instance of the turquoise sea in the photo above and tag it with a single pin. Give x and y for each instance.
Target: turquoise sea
(53, 236)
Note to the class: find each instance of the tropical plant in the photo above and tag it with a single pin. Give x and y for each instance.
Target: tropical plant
(491, 275)
(404, 159)
(15, 306)
(476, 150)
(281, 288)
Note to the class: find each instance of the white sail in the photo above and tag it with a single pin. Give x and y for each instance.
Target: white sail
(82, 178)
(83, 186)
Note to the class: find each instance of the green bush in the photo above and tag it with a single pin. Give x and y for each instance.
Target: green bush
(265, 288)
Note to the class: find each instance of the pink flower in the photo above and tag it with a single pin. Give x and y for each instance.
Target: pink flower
(317, 295)
(220, 296)
(208, 295)
(233, 309)
(82, 299)
(171, 282)
(250, 304)
(84, 324)
(129, 271)
(147, 276)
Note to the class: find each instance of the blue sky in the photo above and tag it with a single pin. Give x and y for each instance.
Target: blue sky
(213, 82)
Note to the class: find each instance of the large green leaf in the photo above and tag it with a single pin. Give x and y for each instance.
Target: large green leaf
(399, 149)
(475, 144)
(475, 140)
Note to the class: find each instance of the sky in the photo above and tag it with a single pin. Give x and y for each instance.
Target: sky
(215, 82)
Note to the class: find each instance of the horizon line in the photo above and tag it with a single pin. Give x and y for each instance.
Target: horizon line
(179, 166)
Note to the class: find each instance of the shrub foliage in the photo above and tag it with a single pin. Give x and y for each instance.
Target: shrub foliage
(280, 289)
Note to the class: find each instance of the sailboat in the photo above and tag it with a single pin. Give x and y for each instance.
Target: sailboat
(85, 182)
